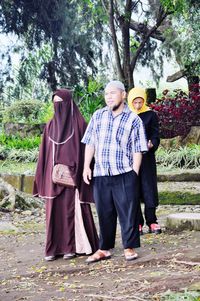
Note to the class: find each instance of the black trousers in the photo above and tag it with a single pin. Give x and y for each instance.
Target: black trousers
(117, 196)
(149, 214)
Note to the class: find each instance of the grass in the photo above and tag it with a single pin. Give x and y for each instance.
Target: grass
(176, 170)
(17, 167)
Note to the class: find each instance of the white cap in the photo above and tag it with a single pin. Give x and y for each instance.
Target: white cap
(117, 84)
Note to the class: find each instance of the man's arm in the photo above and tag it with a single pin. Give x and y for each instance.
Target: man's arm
(137, 160)
(89, 154)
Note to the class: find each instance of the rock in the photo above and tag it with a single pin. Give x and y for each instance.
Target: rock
(171, 142)
(7, 195)
(193, 137)
(12, 199)
(183, 221)
(27, 212)
(7, 227)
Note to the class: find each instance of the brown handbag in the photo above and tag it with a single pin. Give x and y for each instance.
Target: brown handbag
(62, 175)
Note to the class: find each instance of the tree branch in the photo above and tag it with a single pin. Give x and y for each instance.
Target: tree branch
(144, 29)
(176, 76)
(160, 19)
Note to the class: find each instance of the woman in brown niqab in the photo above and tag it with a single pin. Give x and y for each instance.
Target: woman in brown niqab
(70, 227)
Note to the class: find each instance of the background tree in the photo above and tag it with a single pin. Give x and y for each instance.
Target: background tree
(75, 31)
(138, 28)
(182, 40)
(27, 80)
(69, 28)
(134, 32)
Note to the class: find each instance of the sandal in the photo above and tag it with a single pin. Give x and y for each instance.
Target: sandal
(130, 254)
(98, 256)
(155, 228)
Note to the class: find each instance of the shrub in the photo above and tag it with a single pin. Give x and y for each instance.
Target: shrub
(89, 98)
(19, 155)
(183, 157)
(177, 115)
(28, 111)
(19, 143)
(18, 149)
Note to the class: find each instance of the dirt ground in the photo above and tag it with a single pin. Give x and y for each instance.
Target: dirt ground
(169, 261)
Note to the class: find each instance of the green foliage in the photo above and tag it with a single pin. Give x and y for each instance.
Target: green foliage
(28, 82)
(19, 149)
(178, 198)
(46, 112)
(19, 143)
(28, 111)
(89, 98)
(183, 157)
(178, 6)
(181, 296)
(181, 38)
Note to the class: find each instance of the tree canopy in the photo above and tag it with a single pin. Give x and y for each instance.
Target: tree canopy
(69, 28)
(75, 31)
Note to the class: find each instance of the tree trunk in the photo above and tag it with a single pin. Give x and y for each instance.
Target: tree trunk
(114, 40)
(125, 25)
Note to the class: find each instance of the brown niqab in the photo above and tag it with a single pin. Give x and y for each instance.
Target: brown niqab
(62, 144)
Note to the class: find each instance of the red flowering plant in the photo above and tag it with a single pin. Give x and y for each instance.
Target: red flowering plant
(177, 114)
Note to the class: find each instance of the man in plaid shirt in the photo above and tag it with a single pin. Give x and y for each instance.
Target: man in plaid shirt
(115, 138)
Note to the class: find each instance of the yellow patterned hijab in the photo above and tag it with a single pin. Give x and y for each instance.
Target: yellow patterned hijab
(134, 93)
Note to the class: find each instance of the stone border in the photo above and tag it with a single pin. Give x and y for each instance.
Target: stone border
(25, 182)
(182, 177)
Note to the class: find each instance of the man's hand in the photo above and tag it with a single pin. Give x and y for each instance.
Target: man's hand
(137, 159)
(87, 175)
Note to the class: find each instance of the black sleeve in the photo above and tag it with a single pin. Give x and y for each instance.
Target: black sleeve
(154, 136)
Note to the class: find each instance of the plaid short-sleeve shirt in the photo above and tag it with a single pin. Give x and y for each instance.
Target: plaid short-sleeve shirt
(115, 139)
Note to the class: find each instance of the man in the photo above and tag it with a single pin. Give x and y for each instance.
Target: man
(115, 138)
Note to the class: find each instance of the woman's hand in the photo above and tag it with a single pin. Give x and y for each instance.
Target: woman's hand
(149, 144)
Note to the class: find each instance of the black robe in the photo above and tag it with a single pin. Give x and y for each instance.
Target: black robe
(148, 174)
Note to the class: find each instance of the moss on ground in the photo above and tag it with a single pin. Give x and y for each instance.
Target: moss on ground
(179, 198)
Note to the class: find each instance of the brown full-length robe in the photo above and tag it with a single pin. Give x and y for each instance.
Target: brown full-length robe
(69, 223)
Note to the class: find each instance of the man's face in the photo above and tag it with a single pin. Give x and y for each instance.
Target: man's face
(114, 97)
(138, 103)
